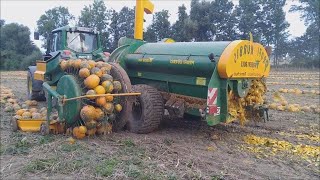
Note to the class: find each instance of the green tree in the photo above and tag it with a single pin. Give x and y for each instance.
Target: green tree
(160, 27)
(223, 19)
(97, 16)
(18, 51)
(304, 50)
(179, 28)
(2, 22)
(52, 19)
(274, 28)
(121, 25)
(249, 18)
(200, 15)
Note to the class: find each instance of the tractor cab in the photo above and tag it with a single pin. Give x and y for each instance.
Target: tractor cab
(63, 44)
(73, 42)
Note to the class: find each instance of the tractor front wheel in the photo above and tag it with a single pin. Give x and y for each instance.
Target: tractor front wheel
(34, 87)
(147, 111)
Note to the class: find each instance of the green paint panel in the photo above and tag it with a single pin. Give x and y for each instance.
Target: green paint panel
(69, 87)
(182, 68)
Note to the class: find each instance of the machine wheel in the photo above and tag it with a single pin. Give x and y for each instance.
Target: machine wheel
(148, 111)
(14, 125)
(34, 87)
(119, 74)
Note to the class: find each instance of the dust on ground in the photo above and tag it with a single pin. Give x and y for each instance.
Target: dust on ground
(180, 149)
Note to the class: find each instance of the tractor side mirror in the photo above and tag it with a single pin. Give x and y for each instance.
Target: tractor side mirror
(36, 35)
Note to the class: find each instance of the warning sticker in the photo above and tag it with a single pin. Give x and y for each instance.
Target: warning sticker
(212, 96)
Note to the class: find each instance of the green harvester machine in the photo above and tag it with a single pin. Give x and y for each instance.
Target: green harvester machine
(217, 81)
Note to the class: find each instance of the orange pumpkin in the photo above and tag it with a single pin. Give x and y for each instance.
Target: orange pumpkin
(82, 129)
(101, 101)
(84, 72)
(75, 131)
(99, 114)
(77, 63)
(87, 113)
(108, 107)
(100, 89)
(92, 81)
(63, 65)
(109, 98)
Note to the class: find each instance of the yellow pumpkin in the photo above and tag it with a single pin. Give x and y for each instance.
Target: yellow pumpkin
(20, 112)
(100, 89)
(84, 72)
(92, 63)
(26, 115)
(118, 107)
(92, 81)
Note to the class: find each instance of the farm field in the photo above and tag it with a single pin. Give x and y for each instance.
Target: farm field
(286, 147)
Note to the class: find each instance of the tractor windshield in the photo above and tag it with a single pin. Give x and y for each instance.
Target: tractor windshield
(82, 42)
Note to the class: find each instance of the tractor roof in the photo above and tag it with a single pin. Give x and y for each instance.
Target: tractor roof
(74, 28)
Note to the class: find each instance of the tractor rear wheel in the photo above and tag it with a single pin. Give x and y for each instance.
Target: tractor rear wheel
(147, 111)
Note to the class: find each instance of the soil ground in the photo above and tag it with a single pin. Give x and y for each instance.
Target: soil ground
(180, 149)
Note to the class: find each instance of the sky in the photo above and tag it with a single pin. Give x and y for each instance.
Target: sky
(28, 12)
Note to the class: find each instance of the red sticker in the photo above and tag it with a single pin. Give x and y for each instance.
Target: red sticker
(212, 96)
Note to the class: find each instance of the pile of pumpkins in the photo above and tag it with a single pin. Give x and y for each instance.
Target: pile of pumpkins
(11, 104)
(281, 104)
(298, 91)
(31, 114)
(99, 111)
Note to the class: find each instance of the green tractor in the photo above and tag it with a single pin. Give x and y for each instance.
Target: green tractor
(63, 43)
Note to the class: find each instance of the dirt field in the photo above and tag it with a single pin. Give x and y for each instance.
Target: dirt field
(181, 149)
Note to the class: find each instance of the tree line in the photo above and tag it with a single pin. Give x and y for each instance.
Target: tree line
(216, 20)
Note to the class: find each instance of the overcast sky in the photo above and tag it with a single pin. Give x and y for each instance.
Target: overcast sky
(28, 12)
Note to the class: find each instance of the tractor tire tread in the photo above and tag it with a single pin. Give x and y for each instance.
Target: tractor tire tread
(152, 110)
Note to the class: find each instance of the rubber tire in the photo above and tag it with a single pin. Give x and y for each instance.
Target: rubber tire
(151, 110)
(36, 84)
(119, 74)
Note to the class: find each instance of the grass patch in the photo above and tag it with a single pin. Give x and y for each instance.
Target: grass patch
(66, 147)
(22, 146)
(46, 139)
(133, 171)
(40, 165)
(106, 168)
(128, 143)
